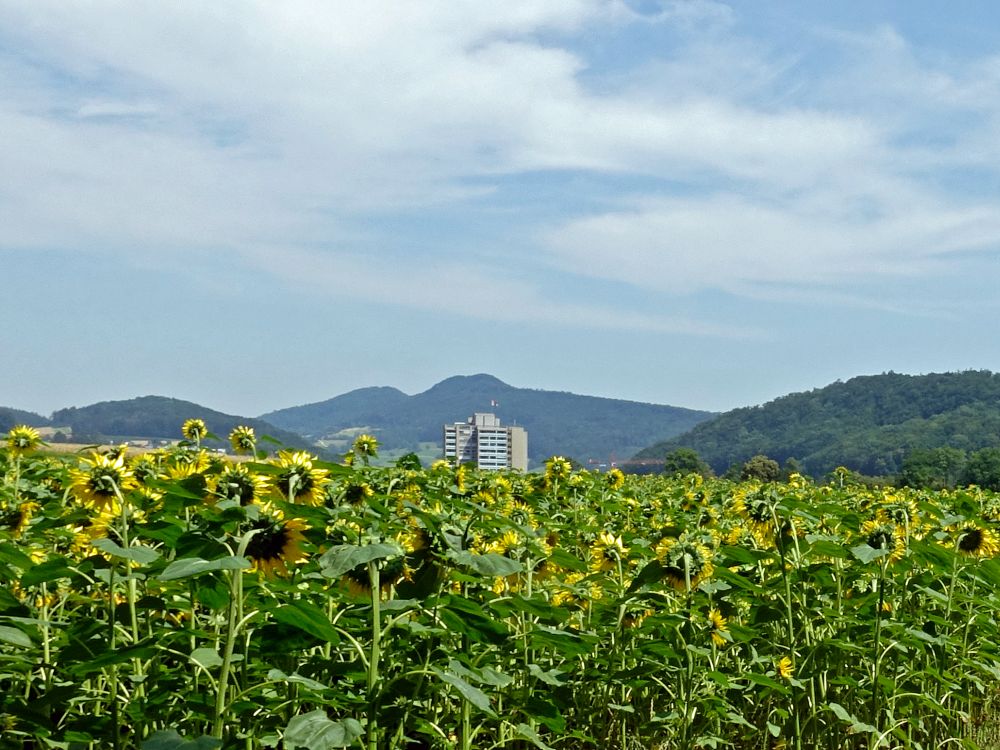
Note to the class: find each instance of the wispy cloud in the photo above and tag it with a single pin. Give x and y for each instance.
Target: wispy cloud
(144, 128)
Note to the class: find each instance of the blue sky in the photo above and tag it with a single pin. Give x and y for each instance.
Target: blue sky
(254, 205)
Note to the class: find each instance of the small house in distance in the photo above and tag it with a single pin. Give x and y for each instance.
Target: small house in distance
(482, 440)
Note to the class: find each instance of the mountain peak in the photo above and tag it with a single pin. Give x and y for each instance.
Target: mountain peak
(479, 380)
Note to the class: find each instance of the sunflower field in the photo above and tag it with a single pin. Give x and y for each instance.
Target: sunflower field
(181, 600)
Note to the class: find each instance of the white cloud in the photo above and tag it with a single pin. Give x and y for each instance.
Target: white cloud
(144, 127)
(745, 245)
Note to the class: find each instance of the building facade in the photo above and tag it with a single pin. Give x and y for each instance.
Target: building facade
(482, 440)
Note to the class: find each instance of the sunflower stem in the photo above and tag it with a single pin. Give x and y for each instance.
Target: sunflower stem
(373, 660)
(235, 622)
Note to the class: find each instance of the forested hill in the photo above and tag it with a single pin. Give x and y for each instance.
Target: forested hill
(159, 417)
(581, 427)
(10, 417)
(868, 423)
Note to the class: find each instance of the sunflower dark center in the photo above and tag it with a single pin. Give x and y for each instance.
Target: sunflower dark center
(237, 487)
(971, 540)
(880, 539)
(269, 542)
(103, 483)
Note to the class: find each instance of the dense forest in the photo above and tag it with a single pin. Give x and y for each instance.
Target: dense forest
(10, 417)
(874, 425)
(158, 417)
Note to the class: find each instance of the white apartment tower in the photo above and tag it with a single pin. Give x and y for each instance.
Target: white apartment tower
(483, 441)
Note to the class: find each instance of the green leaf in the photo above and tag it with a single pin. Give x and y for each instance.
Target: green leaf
(14, 636)
(523, 730)
(47, 571)
(169, 739)
(474, 695)
(206, 657)
(308, 618)
(139, 554)
(857, 727)
(316, 731)
(866, 553)
(563, 642)
(564, 559)
(548, 677)
(841, 712)
(491, 564)
(11, 554)
(276, 675)
(766, 681)
(338, 560)
(191, 566)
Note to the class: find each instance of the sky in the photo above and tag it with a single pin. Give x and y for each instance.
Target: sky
(254, 205)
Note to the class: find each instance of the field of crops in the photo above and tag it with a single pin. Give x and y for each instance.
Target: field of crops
(179, 600)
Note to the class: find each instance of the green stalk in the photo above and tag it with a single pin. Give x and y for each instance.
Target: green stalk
(235, 622)
(373, 660)
(789, 615)
(876, 722)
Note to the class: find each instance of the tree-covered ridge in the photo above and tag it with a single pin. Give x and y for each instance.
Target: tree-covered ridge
(584, 427)
(868, 423)
(158, 417)
(10, 417)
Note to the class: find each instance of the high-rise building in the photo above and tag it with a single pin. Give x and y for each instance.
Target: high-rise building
(482, 440)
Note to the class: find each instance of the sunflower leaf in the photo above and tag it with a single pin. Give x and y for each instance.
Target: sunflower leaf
(474, 695)
(169, 739)
(317, 731)
(139, 554)
(866, 553)
(14, 636)
(191, 566)
(490, 564)
(308, 618)
(525, 731)
(338, 560)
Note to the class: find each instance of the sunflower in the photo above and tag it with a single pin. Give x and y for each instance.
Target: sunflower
(520, 514)
(187, 463)
(358, 492)
(685, 562)
(614, 479)
(299, 481)
(276, 543)
(101, 526)
(146, 467)
(391, 571)
(720, 629)
(22, 439)
(503, 544)
(557, 468)
(460, 475)
(243, 439)
(101, 481)
(785, 668)
(608, 551)
(900, 511)
(17, 519)
(757, 510)
(236, 482)
(366, 446)
(975, 541)
(194, 430)
(885, 536)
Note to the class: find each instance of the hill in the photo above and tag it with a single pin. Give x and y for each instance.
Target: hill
(10, 417)
(582, 427)
(159, 417)
(868, 423)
